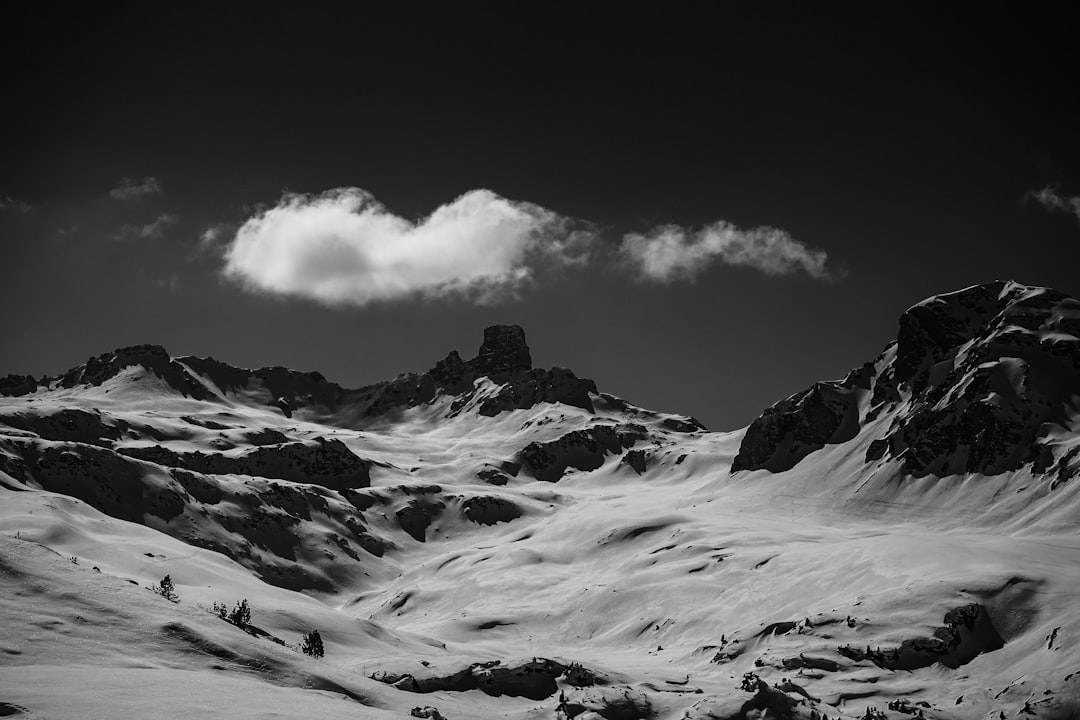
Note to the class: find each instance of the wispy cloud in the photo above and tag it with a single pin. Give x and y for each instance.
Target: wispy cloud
(151, 231)
(342, 247)
(671, 252)
(1051, 199)
(11, 204)
(129, 189)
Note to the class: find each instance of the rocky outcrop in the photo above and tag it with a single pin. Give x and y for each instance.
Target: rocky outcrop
(968, 632)
(153, 358)
(69, 424)
(321, 462)
(503, 357)
(581, 449)
(109, 482)
(975, 383)
(557, 385)
(502, 354)
(417, 515)
(533, 679)
(986, 373)
(16, 385)
(793, 428)
(489, 510)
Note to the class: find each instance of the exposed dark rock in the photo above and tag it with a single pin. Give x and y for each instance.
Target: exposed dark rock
(415, 517)
(685, 424)
(534, 679)
(1001, 366)
(637, 460)
(610, 703)
(153, 358)
(973, 383)
(793, 428)
(536, 386)
(492, 476)
(109, 482)
(265, 436)
(968, 633)
(767, 702)
(502, 354)
(932, 330)
(582, 449)
(453, 374)
(69, 424)
(489, 510)
(15, 385)
(322, 462)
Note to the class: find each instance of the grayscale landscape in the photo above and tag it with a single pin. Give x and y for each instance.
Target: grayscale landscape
(492, 540)
(474, 362)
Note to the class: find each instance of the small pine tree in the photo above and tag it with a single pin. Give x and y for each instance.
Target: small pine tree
(166, 589)
(313, 644)
(221, 610)
(241, 614)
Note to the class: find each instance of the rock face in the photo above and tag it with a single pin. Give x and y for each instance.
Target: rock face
(153, 358)
(968, 632)
(69, 424)
(535, 386)
(976, 382)
(581, 449)
(793, 428)
(323, 462)
(503, 357)
(502, 354)
(15, 385)
(534, 678)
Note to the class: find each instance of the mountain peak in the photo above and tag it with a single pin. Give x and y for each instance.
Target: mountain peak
(977, 381)
(503, 352)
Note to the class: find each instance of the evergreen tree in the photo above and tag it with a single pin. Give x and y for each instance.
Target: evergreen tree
(241, 614)
(313, 644)
(166, 589)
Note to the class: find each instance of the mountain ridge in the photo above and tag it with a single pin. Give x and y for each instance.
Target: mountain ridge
(509, 541)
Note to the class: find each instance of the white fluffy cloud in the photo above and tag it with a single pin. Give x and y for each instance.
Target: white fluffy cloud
(343, 247)
(129, 189)
(671, 252)
(1051, 199)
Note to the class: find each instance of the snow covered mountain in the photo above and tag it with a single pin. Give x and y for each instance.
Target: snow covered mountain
(488, 539)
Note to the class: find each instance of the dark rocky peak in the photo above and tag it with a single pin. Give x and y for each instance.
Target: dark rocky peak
(976, 382)
(933, 328)
(153, 358)
(14, 385)
(503, 353)
(825, 414)
(452, 373)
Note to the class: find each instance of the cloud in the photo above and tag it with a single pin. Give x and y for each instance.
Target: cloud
(129, 189)
(671, 252)
(1054, 201)
(151, 231)
(8, 203)
(343, 247)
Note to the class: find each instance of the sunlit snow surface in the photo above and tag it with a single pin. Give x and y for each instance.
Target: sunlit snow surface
(670, 585)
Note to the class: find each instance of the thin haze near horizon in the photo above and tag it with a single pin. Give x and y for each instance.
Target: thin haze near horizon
(702, 214)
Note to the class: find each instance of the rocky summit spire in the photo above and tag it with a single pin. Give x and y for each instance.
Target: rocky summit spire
(502, 353)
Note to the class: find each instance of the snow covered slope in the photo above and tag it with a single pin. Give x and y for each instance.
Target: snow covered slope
(495, 540)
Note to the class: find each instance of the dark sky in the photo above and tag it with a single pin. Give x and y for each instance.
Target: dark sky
(904, 145)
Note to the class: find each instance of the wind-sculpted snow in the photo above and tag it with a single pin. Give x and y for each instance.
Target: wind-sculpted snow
(490, 540)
